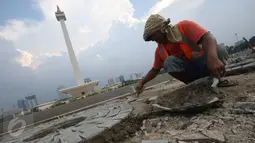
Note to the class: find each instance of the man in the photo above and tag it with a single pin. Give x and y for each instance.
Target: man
(186, 51)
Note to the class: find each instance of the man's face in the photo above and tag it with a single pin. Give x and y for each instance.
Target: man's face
(159, 37)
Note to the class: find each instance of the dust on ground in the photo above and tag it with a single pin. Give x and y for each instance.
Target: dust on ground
(234, 122)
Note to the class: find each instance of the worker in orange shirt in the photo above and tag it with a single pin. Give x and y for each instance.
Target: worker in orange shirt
(186, 51)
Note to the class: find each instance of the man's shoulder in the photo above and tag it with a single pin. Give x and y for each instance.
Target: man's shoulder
(187, 23)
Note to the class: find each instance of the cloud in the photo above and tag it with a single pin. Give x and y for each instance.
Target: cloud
(25, 58)
(88, 22)
(98, 56)
(16, 81)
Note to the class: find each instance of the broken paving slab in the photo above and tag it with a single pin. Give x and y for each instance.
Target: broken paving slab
(84, 125)
(215, 135)
(155, 141)
(243, 108)
(244, 105)
(195, 97)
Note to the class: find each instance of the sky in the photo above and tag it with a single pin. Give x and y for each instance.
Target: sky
(106, 37)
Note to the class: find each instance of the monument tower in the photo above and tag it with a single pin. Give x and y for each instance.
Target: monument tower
(82, 88)
(60, 15)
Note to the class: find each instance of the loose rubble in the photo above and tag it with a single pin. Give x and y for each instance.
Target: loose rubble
(214, 125)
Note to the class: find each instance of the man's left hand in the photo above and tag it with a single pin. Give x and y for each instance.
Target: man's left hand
(215, 66)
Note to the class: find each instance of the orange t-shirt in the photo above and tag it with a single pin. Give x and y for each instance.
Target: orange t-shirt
(192, 31)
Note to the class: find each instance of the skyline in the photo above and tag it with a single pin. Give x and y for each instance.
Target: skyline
(106, 36)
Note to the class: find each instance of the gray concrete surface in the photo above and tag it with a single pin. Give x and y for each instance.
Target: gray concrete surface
(39, 116)
(78, 127)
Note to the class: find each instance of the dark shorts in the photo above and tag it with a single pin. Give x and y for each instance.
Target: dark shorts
(195, 69)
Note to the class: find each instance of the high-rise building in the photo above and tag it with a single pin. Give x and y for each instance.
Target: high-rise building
(110, 81)
(22, 104)
(117, 79)
(136, 76)
(139, 75)
(32, 101)
(122, 79)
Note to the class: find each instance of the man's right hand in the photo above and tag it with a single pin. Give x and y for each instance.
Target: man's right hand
(139, 88)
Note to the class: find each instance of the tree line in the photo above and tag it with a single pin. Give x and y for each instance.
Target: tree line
(241, 47)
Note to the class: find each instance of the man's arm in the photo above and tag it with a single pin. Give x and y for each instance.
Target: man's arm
(199, 35)
(209, 44)
(150, 76)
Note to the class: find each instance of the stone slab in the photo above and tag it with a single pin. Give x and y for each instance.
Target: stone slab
(155, 141)
(78, 127)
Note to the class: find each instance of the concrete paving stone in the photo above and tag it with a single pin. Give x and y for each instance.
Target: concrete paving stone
(126, 107)
(153, 98)
(191, 137)
(140, 109)
(174, 132)
(95, 121)
(216, 135)
(67, 136)
(245, 105)
(130, 99)
(91, 115)
(113, 111)
(108, 123)
(155, 141)
(89, 130)
(121, 116)
(103, 113)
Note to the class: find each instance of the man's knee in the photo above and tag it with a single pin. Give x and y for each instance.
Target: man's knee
(223, 54)
(173, 64)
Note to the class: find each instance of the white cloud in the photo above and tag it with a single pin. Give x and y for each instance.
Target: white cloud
(88, 22)
(158, 7)
(98, 56)
(50, 54)
(84, 29)
(25, 58)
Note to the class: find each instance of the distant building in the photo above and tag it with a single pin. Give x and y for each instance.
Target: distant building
(139, 75)
(133, 76)
(239, 42)
(117, 79)
(32, 101)
(110, 81)
(136, 76)
(22, 103)
(122, 79)
(222, 44)
(87, 80)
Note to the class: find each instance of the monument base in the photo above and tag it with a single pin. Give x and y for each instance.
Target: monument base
(80, 90)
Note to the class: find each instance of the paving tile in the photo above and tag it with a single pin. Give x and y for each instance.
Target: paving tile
(114, 111)
(108, 123)
(103, 113)
(155, 141)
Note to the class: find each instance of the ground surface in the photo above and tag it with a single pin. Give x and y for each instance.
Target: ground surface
(234, 122)
(39, 116)
(133, 119)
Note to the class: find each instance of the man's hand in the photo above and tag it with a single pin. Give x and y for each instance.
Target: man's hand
(215, 67)
(139, 88)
